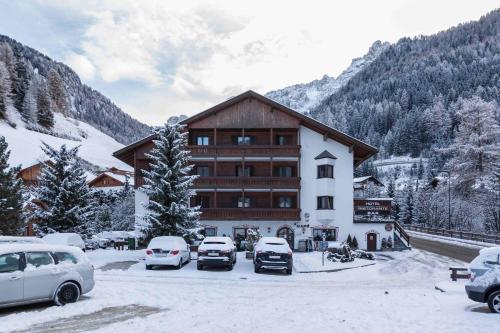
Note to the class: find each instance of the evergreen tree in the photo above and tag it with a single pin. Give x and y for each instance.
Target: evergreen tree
(168, 184)
(5, 90)
(58, 96)
(29, 106)
(45, 117)
(123, 212)
(9, 60)
(407, 207)
(64, 191)
(11, 195)
(391, 188)
(21, 84)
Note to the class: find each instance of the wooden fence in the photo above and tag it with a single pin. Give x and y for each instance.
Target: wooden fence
(486, 238)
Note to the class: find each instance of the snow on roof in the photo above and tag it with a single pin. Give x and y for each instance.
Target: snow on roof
(17, 239)
(217, 239)
(361, 179)
(490, 250)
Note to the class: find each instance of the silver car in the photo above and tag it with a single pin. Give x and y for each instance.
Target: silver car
(31, 273)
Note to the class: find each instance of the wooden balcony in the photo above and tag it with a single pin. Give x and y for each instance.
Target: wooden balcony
(248, 182)
(245, 150)
(250, 214)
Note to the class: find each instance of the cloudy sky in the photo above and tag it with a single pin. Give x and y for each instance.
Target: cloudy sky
(155, 59)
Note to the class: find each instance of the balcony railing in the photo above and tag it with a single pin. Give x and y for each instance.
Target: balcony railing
(250, 150)
(250, 214)
(248, 182)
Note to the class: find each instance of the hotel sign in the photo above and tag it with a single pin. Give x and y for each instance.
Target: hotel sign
(372, 207)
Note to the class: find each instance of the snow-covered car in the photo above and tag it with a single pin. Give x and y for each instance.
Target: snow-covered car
(116, 236)
(167, 251)
(273, 253)
(216, 252)
(31, 273)
(18, 239)
(65, 238)
(102, 243)
(484, 283)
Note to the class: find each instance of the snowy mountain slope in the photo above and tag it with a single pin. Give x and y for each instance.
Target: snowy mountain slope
(305, 97)
(95, 147)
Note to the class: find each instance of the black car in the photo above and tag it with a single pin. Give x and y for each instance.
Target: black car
(274, 254)
(216, 252)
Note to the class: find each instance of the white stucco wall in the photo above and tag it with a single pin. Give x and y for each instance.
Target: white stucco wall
(340, 187)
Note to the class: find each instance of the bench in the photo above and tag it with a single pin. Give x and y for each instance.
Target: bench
(455, 275)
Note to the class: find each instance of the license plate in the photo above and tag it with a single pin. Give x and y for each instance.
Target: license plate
(161, 254)
(212, 254)
(274, 257)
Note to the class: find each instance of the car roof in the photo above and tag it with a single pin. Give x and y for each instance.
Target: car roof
(490, 250)
(26, 239)
(273, 239)
(26, 247)
(217, 239)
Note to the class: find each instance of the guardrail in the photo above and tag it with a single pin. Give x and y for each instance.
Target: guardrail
(485, 238)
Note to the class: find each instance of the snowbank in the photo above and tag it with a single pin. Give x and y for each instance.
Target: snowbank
(312, 262)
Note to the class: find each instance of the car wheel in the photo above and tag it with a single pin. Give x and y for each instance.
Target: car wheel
(289, 271)
(68, 292)
(494, 302)
(149, 267)
(230, 267)
(199, 267)
(256, 269)
(179, 266)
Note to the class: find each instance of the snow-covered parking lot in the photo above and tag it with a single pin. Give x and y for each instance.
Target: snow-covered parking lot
(397, 294)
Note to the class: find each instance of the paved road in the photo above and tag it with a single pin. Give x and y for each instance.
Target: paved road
(450, 250)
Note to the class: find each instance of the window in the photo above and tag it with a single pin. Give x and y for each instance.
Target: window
(202, 171)
(285, 202)
(203, 201)
(325, 171)
(210, 231)
(283, 140)
(284, 171)
(202, 140)
(9, 262)
(325, 202)
(65, 257)
(243, 202)
(37, 259)
(244, 140)
(243, 172)
(330, 234)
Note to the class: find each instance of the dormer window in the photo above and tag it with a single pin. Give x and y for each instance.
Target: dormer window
(325, 171)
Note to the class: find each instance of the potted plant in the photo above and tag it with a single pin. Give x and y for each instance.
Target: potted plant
(253, 235)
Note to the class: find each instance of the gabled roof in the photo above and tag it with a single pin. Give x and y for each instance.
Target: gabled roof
(361, 150)
(363, 179)
(325, 154)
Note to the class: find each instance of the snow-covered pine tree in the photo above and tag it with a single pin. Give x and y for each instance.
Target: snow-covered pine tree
(8, 58)
(29, 106)
(168, 184)
(64, 191)
(11, 195)
(407, 205)
(45, 117)
(22, 83)
(5, 90)
(101, 202)
(391, 188)
(475, 151)
(58, 96)
(123, 212)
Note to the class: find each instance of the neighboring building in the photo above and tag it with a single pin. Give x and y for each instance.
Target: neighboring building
(30, 174)
(111, 179)
(263, 165)
(367, 186)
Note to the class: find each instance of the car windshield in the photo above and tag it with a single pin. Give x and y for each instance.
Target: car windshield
(275, 243)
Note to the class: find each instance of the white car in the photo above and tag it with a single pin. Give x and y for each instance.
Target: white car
(31, 273)
(167, 251)
(217, 252)
(66, 239)
(16, 239)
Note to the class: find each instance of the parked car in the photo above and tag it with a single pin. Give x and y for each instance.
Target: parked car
(484, 283)
(91, 244)
(102, 243)
(216, 252)
(167, 251)
(116, 236)
(68, 239)
(31, 273)
(16, 239)
(273, 253)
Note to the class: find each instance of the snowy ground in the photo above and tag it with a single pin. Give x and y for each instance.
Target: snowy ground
(397, 294)
(449, 240)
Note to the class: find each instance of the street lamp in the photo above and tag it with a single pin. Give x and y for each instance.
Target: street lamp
(447, 172)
